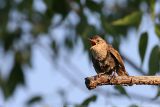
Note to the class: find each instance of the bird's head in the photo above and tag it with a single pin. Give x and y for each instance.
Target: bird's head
(98, 47)
(96, 40)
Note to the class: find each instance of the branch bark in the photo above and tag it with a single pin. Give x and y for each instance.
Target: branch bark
(98, 80)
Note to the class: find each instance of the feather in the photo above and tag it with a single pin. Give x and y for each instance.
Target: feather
(121, 68)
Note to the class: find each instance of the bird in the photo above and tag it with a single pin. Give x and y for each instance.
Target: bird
(106, 60)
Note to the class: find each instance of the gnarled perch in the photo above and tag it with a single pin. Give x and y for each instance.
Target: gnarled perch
(94, 81)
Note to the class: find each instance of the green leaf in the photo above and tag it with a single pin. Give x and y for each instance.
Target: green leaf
(154, 61)
(9, 37)
(143, 45)
(60, 6)
(82, 24)
(93, 5)
(111, 29)
(68, 43)
(132, 19)
(34, 100)
(23, 5)
(16, 77)
(121, 90)
(87, 101)
(133, 105)
(157, 29)
(152, 8)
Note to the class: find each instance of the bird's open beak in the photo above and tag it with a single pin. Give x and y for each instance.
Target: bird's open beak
(92, 42)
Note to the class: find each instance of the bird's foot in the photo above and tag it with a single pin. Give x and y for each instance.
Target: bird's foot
(112, 76)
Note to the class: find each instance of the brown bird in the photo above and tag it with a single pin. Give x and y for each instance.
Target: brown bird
(105, 58)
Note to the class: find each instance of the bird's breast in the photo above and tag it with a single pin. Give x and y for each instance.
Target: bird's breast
(99, 53)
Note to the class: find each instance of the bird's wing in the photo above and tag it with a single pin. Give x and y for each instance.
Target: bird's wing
(117, 56)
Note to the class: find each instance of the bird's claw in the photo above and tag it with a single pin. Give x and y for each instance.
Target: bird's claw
(112, 76)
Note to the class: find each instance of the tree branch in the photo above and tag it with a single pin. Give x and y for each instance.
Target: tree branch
(133, 64)
(103, 79)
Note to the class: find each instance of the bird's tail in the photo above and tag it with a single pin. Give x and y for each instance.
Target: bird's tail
(122, 72)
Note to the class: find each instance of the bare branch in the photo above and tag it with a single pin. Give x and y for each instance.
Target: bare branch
(130, 62)
(103, 79)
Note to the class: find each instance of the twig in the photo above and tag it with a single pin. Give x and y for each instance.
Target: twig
(133, 65)
(94, 81)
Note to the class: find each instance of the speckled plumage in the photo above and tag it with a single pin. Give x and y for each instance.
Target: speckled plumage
(105, 58)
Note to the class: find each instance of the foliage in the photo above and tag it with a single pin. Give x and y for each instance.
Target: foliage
(34, 100)
(87, 101)
(154, 61)
(143, 45)
(121, 90)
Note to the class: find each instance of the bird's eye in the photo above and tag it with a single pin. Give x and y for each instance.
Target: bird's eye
(97, 40)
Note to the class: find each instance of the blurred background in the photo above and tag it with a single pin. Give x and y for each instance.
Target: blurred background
(44, 51)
